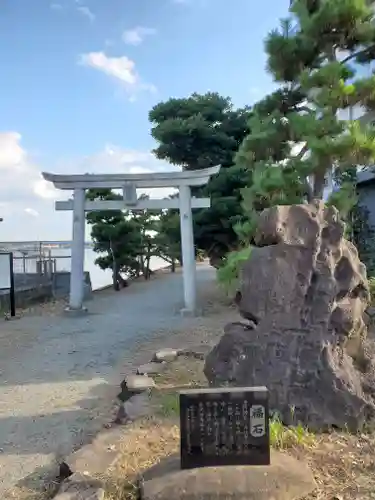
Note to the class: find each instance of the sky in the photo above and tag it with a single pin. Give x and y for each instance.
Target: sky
(78, 78)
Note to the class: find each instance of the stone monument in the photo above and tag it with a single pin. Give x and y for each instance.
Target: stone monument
(225, 452)
(303, 293)
(227, 426)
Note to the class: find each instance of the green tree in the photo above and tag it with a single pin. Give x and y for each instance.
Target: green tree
(298, 129)
(116, 237)
(363, 236)
(202, 131)
(296, 136)
(168, 238)
(146, 224)
(358, 227)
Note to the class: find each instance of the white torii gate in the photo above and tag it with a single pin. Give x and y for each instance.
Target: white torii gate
(129, 184)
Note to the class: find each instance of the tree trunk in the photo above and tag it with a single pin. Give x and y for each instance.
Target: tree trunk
(173, 266)
(319, 182)
(115, 269)
(115, 273)
(140, 266)
(147, 263)
(123, 283)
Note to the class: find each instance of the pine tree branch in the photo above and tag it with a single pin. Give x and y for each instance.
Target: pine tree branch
(305, 108)
(356, 54)
(301, 154)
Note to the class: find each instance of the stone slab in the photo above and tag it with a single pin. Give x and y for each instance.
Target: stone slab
(191, 313)
(285, 479)
(89, 494)
(188, 313)
(135, 384)
(151, 368)
(166, 355)
(80, 487)
(139, 383)
(75, 313)
(96, 457)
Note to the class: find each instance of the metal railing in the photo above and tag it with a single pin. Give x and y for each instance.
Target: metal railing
(32, 269)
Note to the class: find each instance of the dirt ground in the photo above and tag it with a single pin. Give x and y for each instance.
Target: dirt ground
(70, 371)
(343, 464)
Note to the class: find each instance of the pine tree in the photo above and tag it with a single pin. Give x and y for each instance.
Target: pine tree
(297, 137)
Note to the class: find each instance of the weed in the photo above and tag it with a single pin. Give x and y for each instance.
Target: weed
(283, 437)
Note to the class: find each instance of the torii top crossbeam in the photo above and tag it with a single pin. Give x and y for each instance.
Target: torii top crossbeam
(117, 181)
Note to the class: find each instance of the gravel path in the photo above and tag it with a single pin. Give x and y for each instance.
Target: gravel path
(59, 375)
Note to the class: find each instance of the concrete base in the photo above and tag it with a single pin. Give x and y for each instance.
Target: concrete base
(285, 479)
(189, 313)
(75, 313)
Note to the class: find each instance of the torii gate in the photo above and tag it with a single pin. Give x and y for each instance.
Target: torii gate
(182, 180)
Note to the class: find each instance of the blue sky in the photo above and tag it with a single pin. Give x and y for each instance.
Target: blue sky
(79, 78)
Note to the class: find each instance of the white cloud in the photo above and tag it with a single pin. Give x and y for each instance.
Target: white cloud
(85, 11)
(32, 212)
(136, 35)
(27, 200)
(11, 153)
(44, 189)
(21, 178)
(120, 68)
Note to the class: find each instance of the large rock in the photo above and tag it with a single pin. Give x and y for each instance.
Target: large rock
(305, 291)
(285, 479)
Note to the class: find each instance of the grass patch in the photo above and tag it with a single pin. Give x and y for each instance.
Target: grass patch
(166, 404)
(282, 437)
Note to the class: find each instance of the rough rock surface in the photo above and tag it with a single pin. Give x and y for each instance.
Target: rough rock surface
(304, 292)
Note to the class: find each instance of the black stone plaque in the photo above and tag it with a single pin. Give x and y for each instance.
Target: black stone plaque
(224, 426)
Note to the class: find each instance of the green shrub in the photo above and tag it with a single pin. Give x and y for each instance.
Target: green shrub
(228, 273)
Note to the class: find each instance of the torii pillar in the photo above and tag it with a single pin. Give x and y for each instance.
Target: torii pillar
(182, 180)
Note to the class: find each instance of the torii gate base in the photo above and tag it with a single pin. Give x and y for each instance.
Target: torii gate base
(129, 183)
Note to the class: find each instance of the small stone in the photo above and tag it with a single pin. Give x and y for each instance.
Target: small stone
(95, 458)
(166, 354)
(151, 368)
(139, 383)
